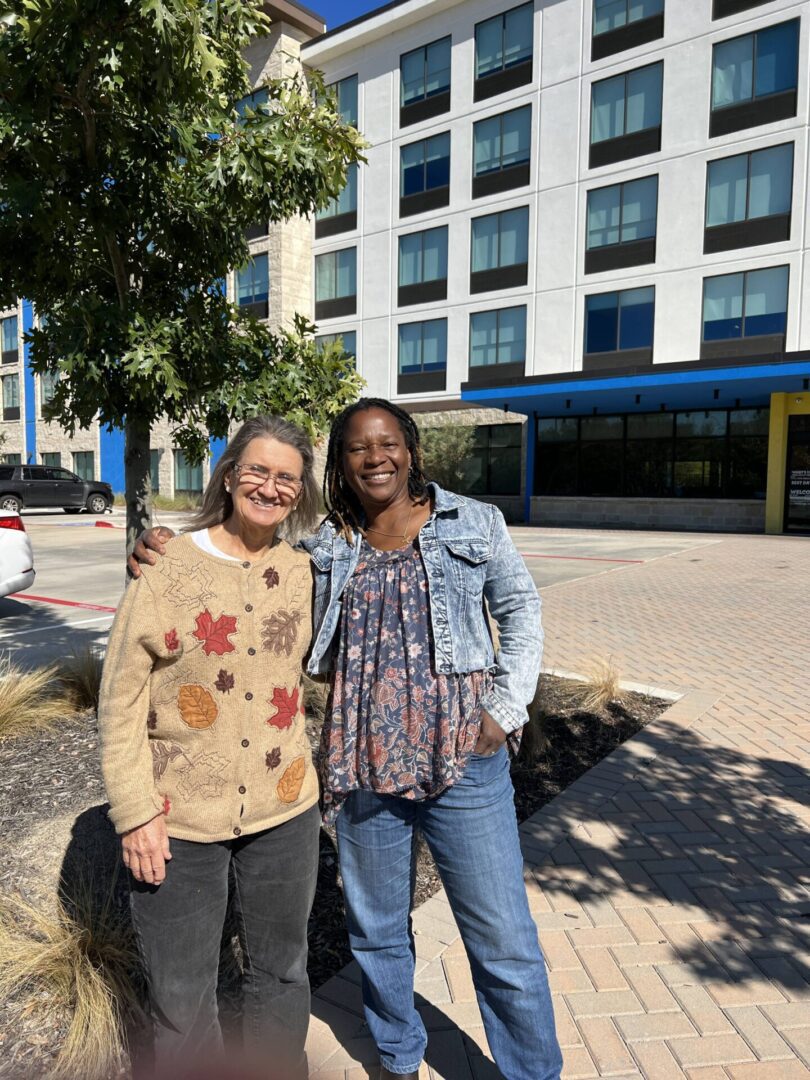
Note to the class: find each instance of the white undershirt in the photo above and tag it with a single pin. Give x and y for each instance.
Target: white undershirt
(203, 541)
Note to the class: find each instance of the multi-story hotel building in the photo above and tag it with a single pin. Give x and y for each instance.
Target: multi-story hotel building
(582, 229)
(589, 216)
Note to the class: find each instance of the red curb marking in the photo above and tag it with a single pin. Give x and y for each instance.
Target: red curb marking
(581, 558)
(64, 603)
(108, 525)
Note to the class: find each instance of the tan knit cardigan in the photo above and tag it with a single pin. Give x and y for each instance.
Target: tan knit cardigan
(201, 713)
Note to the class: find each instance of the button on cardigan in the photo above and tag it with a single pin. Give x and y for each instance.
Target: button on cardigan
(201, 712)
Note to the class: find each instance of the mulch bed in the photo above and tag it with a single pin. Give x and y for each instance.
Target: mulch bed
(56, 776)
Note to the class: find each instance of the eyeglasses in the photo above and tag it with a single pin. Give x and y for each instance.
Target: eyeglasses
(287, 486)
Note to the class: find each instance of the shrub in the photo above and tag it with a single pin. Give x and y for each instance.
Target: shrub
(30, 701)
(80, 676)
(447, 452)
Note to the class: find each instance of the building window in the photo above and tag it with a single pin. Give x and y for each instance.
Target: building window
(54, 461)
(336, 283)
(422, 356)
(84, 464)
(425, 82)
(497, 339)
(345, 92)
(719, 453)
(754, 78)
(721, 9)
(619, 323)
(625, 24)
(340, 215)
(503, 52)
(748, 199)
(253, 286)
(8, 340)
(423, 266)
(500, 250)
(424, 175)
(11, 397)
(12, 459)
(501, 151)
(47, 385)
(347, 339)
(746, 305)
(154, 471)
(626, 115)
(252, 102)
(621, 225)
(187, 477)
(494, 464)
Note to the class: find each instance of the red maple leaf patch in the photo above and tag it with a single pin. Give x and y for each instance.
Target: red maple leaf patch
(172, 640)
(213, 633)
(167, 805)
(286, 705)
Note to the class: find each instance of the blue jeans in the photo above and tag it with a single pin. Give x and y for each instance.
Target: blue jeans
(471, 830)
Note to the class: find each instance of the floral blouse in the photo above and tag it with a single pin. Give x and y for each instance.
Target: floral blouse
(393, 725)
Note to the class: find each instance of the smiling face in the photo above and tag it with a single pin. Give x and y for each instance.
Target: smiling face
(376, 460)
(261, 504)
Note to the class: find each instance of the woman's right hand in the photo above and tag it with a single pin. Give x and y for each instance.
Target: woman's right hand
(147, 547)
(146, 851)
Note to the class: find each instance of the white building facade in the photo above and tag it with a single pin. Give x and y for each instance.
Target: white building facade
(593, 214)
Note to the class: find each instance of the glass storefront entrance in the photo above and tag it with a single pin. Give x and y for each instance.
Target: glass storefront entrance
(797, 493)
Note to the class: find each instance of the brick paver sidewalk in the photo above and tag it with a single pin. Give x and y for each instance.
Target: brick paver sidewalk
(670, 884)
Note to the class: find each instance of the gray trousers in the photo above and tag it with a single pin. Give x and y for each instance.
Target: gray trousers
(179, 927)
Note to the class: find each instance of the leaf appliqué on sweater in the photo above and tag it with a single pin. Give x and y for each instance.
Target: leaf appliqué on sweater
(163, 754)
(290, 784)
(271, 578)
(197, 707)
(202, 777)
(280, 632)
(188, 586)
(286, 705)
(272, 758)
(213, 633)
(224, 681)
(172, 641)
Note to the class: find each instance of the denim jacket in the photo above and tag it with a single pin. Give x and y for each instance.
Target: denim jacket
(469, 557)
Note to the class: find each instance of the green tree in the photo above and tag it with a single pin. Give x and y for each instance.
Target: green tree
(129, 172)
(446, 451)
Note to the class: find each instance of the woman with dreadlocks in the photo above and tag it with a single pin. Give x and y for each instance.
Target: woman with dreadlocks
(420, 711)
(415, 734)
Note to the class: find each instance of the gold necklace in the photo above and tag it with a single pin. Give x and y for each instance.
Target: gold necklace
(398, 536)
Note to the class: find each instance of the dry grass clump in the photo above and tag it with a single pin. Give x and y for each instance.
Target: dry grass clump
(599, 688)
(315, 695)
(29, 700)
(80, 676)
(79, 961)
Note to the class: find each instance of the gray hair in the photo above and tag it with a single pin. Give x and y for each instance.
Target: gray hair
(217, 504)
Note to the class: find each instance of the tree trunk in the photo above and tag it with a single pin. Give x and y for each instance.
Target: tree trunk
(138, 479)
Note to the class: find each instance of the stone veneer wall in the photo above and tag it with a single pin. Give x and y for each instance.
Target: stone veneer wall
(700, 515)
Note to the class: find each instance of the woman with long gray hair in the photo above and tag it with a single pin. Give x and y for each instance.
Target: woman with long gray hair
(206, 760)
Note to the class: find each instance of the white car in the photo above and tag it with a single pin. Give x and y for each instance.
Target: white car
(16, 556)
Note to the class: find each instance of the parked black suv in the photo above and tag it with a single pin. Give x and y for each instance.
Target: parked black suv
(24, 487)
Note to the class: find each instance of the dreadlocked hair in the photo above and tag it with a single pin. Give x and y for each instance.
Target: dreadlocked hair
(342, 505)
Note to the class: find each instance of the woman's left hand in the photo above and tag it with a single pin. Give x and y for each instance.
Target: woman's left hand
(491, 736)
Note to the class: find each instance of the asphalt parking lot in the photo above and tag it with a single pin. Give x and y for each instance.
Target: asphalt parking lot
(80, 574)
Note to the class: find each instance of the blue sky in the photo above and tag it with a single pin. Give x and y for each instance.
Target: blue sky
(335, 12)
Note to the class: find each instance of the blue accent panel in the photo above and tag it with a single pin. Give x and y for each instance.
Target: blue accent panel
(30, 430)
(111, 466)
(751, 384)
(215, 449)
(531, 444)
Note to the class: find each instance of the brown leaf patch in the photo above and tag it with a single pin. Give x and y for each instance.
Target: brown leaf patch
(197, 708)
(290, 784)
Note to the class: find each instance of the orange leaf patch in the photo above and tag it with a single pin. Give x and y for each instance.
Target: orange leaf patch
(290, 784)
(213, 633)
(197, 708)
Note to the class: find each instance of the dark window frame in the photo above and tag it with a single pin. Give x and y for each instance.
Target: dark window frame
(629, 36)
(421, 381)
(759, 108)
(623, 253)
(638, 356)
(722, 9)
(671, 440)
(497, 81)
(425, 290)
(259, 304)
(748, 231)
(501, 369)
(504, 275)
(636, 143)
(744, 345)
(505, 177)
(429, 104)
(429, 198)
(487, 457)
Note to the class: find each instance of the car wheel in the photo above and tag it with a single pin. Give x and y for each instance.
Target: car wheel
(97, 504)
(10, 502)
